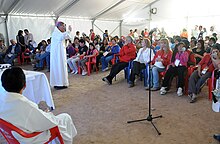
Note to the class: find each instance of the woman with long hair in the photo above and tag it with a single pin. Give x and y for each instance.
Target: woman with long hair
(199, 50)
(160, 62)
(90, 53)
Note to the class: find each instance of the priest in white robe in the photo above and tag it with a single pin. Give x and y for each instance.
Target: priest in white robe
(58, 60)
(24, 114)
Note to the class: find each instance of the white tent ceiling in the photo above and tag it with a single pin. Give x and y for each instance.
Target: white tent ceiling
(39, 15)
(90, 9)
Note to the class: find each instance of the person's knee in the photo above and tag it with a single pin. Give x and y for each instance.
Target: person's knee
(68, 60)
(154, 69)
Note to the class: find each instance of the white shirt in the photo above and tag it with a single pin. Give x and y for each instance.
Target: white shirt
(143, 56)
(28, 37)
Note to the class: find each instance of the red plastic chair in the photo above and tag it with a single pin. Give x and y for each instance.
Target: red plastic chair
(79, 69)
(90, 63)
(6, 129)
(114, 60)
(211, 81)
(189, 71)
(28, 58)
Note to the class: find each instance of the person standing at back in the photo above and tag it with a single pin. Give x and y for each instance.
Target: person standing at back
(58, 63)
(27, 37)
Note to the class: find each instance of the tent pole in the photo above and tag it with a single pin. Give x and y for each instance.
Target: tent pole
(98, 28)
(6, 29)
(120, 28)
(93, 21)
(150, 18)
(114, 29)
(55, 20)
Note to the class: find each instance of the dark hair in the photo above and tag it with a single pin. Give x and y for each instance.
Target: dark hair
(91, 44)
(26, 30)
(90, 51)
(13, 80)
(20, 32)
(193, 38)
(76, 38)
(44, 42)
(48, 40)
(202, 43)
(206, 37)
(176, 50)
(77, 32)
(114, 39)
(194, 41)
(186, 42)
(212, 39)
(178, 38)
(216, 46)
(82, 41)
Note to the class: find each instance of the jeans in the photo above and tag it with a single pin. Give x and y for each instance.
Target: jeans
(155, 80)
(105, 61)
(195, 82)
(10, 60)
(42, 57)
(1, 58)
(72, 63)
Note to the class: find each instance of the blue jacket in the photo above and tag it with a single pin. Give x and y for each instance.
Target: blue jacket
(17, 49)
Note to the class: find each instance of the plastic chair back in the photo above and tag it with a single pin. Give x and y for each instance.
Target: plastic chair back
(6, 129)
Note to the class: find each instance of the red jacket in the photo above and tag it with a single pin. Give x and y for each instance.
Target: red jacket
(206, 62)
(192, 59)
(165, 56)
(127, 53)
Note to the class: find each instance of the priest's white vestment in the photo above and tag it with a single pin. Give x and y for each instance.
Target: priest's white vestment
(24, 114)
(58, 60)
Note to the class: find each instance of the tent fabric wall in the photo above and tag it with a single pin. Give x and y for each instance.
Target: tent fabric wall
(81, 25)
(174, 15)
(139, 25)
(40, 27)
(111, 26)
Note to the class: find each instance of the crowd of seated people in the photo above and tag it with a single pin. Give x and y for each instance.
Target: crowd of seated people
(171, 56)
(43, 55)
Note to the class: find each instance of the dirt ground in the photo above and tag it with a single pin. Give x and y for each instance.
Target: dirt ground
(100, 113)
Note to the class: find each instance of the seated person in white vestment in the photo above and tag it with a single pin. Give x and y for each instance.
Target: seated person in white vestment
(24, 114)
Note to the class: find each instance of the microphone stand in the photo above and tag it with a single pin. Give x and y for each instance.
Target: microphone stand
(149, 118)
